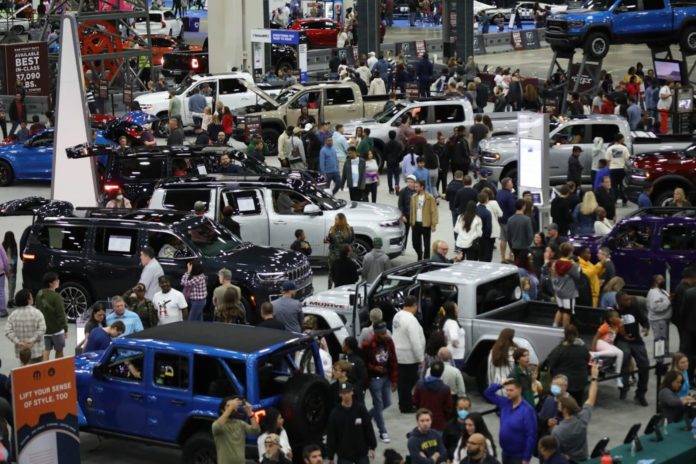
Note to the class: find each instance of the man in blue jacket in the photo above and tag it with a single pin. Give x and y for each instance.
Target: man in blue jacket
(506, 201)
(328, 164)
(424, 73)
(518, 422)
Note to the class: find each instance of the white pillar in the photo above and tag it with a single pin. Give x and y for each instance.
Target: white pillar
(229, 29)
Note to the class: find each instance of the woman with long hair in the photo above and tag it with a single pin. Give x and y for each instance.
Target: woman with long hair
(611, 288)
(678, 199)
(339, 234)
(469, 229)
(371, 177)
(537, 250)
(584, 215)
(500, 361)
(9, 244)
(273, 423)
(672, 407)
(530, 99)
(194, 283)
(474, 423)
(522, 372)
(231, 310)
(680, 363)
(570, 359)
(227, 122)
(454, 334)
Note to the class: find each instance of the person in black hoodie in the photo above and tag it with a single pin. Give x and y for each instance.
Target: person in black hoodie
(451, 194)
(440, 149)
(561, 212)
(459, 152)
(425, 445)
(630, 341)
(393, 153)
(570, 359)
(312, 148)
(349, 433)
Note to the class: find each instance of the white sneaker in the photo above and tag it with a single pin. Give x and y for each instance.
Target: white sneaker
(384, 437)
(619, 382)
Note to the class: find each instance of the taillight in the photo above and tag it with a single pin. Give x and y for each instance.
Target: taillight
(194, 63)
(28, 257)
(110, 187)
(259, 415)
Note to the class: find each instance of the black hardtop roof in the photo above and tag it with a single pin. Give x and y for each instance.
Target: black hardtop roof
(207, 182)
(244, 339)
(150, 216)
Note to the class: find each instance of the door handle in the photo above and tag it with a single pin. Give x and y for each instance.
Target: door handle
(178, 402)
(279, 222)
(136, 396)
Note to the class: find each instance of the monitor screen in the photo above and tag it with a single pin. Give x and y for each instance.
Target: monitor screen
(530, 163)
(668, 70)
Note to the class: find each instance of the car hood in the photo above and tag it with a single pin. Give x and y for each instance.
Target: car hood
(594, 243)
(337, 299)
(150, 98)
(499, 143)
(266, 259)
(84, 363)
(361, 211)
(580, 13)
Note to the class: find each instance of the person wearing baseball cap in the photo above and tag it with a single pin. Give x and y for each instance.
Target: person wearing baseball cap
(349, 433)
(287, 309)
(483, 182)
(405, 205)
(552, 235)
(272, 450)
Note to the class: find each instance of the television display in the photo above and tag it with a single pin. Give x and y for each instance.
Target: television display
(668, 70)
(531, 163)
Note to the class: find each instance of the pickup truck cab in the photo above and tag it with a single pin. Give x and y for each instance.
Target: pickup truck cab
(499, 154)
(650, 241)
(431, 115)
(256, 209)
(337, 102)
(226, 88)
(603, 22)
(488, 296)
(164, 385)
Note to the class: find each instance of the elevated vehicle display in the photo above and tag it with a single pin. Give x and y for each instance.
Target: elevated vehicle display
(164, 385)
(164, 44)
(161, 22)
(601, 23)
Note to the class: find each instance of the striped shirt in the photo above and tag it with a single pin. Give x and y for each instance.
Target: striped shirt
(26, 324)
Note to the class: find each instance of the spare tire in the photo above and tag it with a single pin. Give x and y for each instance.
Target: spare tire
(305, 406)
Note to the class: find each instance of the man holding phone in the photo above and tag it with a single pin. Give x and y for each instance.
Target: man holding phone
(231, 429)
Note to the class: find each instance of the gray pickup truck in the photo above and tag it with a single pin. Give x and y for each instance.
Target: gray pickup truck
(499, 154)
(488, 296)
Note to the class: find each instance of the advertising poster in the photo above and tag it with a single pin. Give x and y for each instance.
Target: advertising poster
(517, 42)
(582, 82)
(479, 45)
(44, 402)
(26, 62)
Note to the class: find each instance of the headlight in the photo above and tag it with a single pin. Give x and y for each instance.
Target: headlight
(270, 276)
(490, 156)
(640, 173)
(392, 223)
(577, 23)
(145, 107)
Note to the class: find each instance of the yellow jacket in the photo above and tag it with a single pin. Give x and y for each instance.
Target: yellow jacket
(592, 271)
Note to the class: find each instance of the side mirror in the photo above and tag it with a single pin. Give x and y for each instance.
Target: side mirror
(98, 372)
(312, 210)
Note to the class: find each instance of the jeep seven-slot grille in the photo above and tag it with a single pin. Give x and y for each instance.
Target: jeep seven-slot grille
(300, 274)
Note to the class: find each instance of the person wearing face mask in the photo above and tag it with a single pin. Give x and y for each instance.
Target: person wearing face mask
(474, 425)
(477, 452)
(118, 201)
(455, 427)
(549, 416)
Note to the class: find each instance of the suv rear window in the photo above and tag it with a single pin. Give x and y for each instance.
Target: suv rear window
(183, 200)
(497, 293)
(63, 238)
(678, 238)
(141, 168)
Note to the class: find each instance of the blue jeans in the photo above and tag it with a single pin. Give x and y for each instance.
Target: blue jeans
(393, 174)
(336, 178)
(380, 390)
(196, 310)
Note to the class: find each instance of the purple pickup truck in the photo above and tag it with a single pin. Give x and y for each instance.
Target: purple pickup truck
(647, 242)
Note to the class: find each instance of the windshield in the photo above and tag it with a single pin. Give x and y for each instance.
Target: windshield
(185, 84)
(387, 115)
(211, 239)
(287, 94)
(598, 5)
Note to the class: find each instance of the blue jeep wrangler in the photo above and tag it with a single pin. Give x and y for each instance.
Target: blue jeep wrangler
(603, 22)
(164, 385)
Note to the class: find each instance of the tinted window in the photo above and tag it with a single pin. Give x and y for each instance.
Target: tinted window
(183, 200)
(229, 86)
(653, 4)
(628, 5)
(169, 15)
(63, 238)
(677, 238)
(340, 96)
(212, 239)
(211, 379)
(171, 371)
(606, 131)
(449, 113)
(115, 241)
(125, 364)
(419, 115)
(42, 140)
(634, 236)
(141, 168)
(167, 245)
(498, 293)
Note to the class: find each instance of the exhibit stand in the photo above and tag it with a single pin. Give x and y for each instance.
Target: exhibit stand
(532, 160)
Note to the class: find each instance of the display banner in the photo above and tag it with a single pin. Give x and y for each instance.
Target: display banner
(585, 80)
(530, 39)
(28, 63)
(420, 47)
(479, 44)
(44, 403)
(517, 42)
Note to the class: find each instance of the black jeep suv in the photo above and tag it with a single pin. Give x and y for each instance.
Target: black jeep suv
(96, 253)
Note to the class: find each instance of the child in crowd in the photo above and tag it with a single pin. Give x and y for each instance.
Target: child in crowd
(603, 342)
(301, 244)
(526, 286)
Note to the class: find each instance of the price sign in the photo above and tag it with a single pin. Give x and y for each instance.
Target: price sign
(103, 89)
(28, 63)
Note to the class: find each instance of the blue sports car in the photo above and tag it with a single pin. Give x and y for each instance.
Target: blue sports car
(32, 160)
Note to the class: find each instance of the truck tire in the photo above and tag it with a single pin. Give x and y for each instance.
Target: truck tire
(76, 299)
(6, 173)
(596, 45)
(270, 136)
(688, 40)
(199, 448)
(305, 405)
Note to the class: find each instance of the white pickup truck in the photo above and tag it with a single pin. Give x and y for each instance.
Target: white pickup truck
(233, 90)
(488, 296)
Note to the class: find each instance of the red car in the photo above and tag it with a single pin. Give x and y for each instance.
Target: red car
(163, 44)
(665, 171)
(321, 32)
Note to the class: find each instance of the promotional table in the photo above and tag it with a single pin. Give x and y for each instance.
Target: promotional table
(678, 447)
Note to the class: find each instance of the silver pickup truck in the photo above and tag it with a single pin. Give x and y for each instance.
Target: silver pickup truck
(488, 296)
(499, 154)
